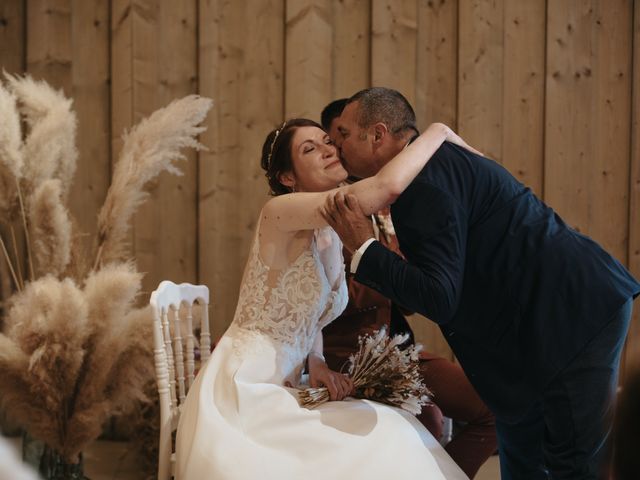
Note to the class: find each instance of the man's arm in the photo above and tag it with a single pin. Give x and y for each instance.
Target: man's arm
(432, 229)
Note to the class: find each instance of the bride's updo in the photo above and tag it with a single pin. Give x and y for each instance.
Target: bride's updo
(276, 153)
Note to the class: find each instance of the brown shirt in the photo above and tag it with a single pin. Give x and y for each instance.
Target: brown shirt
(367, 310)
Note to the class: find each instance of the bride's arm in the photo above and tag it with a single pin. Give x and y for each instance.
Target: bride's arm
(301, 211)
(320, 375)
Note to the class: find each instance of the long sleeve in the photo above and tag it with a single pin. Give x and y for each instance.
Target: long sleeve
(432, 229)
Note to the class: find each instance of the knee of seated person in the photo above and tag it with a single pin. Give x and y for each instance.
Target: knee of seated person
(483, 416)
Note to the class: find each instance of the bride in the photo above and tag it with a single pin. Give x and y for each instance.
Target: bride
(241, 419)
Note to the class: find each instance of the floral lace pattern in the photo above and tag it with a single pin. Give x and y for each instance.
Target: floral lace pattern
(298, 305)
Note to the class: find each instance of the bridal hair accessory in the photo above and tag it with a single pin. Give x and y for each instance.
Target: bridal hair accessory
(382, 372)
(273, 142)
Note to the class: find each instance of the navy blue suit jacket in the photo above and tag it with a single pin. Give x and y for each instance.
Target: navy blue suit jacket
(515, 291)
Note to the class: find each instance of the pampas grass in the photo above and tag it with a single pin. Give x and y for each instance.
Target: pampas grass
(150, 148)
(67, 372)
(51, 227)
(49, 149)
(11, 160)
(75, 349)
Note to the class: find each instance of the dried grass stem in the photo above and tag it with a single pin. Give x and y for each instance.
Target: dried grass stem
(10, 264)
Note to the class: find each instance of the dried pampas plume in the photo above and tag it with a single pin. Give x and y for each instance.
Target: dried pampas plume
(102, 396)
(11, 160)
(75, 349)
(110, 294)
(49, 150)
(51, 228)
(47, 324)
(70, 360)
(150, 148)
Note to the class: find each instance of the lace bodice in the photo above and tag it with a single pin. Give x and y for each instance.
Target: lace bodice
(301, 301)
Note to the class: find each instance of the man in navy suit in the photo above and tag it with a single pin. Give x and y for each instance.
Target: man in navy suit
(536, 313)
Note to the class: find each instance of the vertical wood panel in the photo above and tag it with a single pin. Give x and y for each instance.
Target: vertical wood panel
(351, 47)
(241, 66)
(393, 45)
(480, 82)
(308, 49)
(523, 96)
(633, 341)
(68, 46)
(90, 91)
(587, 118)
(12, 59)
(122, 50)
(570, 104)
(49, 52)
(154, 62)
(12, 35)
(437, 63)
(121, 73)
(165, 227)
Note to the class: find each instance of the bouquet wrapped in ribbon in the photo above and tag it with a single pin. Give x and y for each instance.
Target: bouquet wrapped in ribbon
(381, 371)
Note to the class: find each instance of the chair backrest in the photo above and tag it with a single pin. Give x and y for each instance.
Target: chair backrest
(168, 301)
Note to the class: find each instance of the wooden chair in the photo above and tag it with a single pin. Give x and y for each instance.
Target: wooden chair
(169, 354)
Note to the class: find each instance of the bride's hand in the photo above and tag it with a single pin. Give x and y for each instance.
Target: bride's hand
(453, 137)
(320, 375)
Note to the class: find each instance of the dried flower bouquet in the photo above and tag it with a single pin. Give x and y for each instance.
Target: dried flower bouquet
(383, 372)
(75, 349)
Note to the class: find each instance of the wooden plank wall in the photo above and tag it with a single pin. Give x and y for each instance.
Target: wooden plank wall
(12, 59)
(633, 342)
(241, 55)
(548, 88)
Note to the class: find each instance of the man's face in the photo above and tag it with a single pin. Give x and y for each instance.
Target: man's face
(354, 143)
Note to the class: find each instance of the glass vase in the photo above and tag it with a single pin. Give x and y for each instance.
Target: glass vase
(48, 462)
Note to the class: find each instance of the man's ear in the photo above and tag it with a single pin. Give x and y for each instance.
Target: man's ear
(287, 179)
(380, 130)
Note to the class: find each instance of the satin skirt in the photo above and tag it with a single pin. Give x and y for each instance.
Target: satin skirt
(239, 422)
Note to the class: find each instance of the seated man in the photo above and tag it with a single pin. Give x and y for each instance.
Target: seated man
(453, 394)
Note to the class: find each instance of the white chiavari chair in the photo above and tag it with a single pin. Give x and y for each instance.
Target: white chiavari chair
(174, 342)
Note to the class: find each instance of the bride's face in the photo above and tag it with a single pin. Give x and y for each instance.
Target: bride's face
(316, 165)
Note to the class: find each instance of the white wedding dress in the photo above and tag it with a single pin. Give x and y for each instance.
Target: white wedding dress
(239, 420)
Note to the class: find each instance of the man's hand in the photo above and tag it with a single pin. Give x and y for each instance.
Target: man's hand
(344, 214)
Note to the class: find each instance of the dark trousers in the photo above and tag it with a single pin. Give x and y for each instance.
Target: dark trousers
(456, 398)
(565, 435)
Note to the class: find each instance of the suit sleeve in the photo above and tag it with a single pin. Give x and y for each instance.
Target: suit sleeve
(432, 230)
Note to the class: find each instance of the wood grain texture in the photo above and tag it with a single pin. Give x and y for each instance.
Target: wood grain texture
(351, 53)
(587, 118)
(543, 87)
(12, 35)
(68, 46)
(241, 57)
(308, 69)
(393, 46)
(481, 75)
(12, 60)
(633, 340)
(49, 50)
(437, 63)
(154, 62)
(90, 89)
(523, 95)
